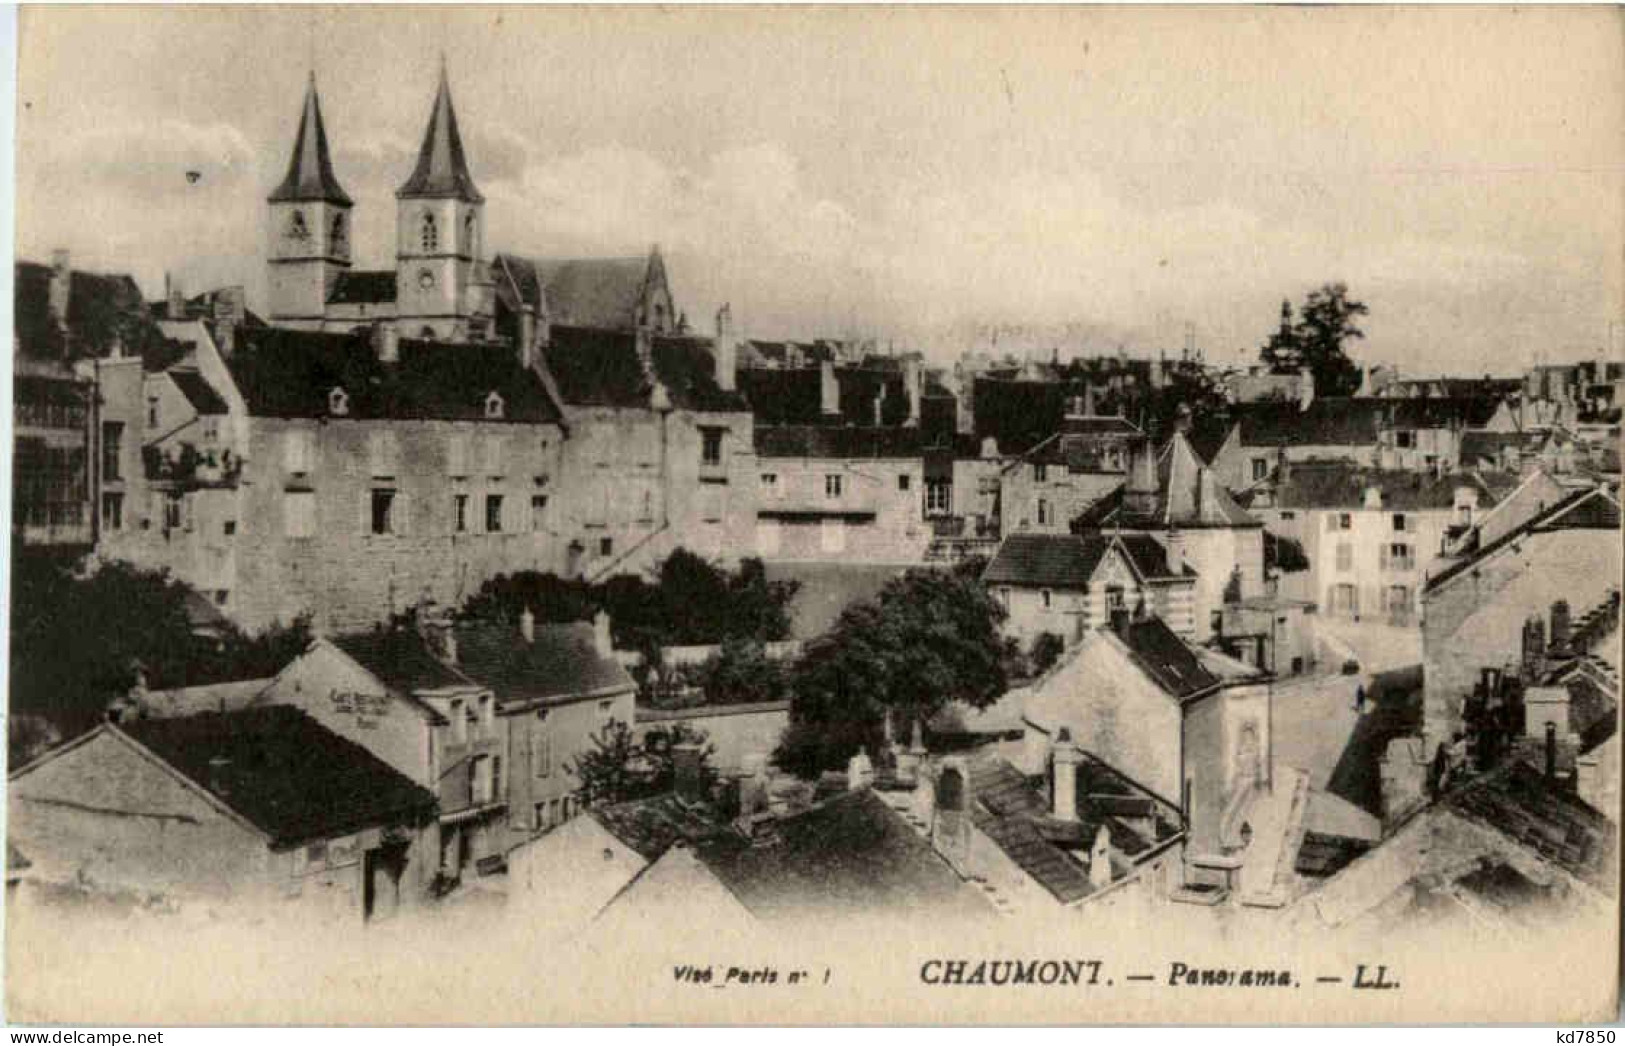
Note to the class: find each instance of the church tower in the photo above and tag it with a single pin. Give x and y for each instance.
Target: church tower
(443, 289)
(310, 226)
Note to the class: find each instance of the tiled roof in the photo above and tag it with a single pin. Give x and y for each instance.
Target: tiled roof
(1167, 659)
(600, 368)
(784, 397)
(1438, 412)
(1516, 801)
(310, 169)
(284, 772)
(1069, 560)
(560, 663)
(289, 373)
(1188, 494)
(400, 659)
(651, 825)
(1583, 510)
(442, 169)
(1018, 414)
(1328, 422)
(198, 392)
(848, 855)
(835, 441)
(1338, 484)
(579, 292)
(363, 286)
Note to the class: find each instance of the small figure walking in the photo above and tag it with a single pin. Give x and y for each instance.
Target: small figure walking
(1359, 699)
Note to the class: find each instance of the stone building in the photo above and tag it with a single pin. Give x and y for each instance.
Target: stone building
(255, 806)
(1053, 482)
(840, 494)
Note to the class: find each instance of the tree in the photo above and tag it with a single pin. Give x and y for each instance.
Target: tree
(1316, 340)
(740, 673)
(620, 767)
(1046, 650)
(928, 639)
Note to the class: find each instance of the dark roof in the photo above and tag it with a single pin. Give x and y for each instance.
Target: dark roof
(363, 286)
(651, 825)
(594, 367)
(1438, 412)
(1187, 494)
(102, 310)
(310, 169)
(1328, 421)
(1341, 484)
(442, 169)
(580, 292)
(784, 397)
(289, 373)
(198, 392)
(1516, 801)
(845, 856)
(1321, 855)
(1583, 510)
(1166, 658)
(1019, 414)
(1069, 560)
(832, 441)
(284, 772)
(400, 659)
(1477, 445)
(560, 663)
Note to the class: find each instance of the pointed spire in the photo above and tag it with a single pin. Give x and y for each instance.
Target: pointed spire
(442, 170)
(310, 170)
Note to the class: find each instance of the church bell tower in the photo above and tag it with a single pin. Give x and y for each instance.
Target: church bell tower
(310, 226)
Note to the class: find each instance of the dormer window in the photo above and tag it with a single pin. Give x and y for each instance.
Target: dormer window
(494, 405)
(338, 402)
(429, 233)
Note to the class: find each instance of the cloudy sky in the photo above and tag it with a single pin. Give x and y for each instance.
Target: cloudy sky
(1096, 177)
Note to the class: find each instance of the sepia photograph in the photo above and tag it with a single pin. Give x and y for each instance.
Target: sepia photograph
(794, 515)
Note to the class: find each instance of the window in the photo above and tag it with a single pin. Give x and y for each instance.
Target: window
(459, 513)
(112, 510)
(538, 513)
(1339, 521)
(903, 481)
(1040, 473)
(296, 226)
(1044, 597)
(222, 596)
(710, 446)
(1287, 517)
(1405, 439)
(832, 485)
(383, 510)
(299, 452)
(541, 753)
(1115, 599)
(172, 510)
(1398, 556)
(459, 722)
(338, 403)
(1261, 468)
(770, 484)
(493, 513)
(428, 233)
(152, 412)
(494, 405)
(299, 514)
(112, 448)
(1345, 556)
(606, 546)
(469, 247)
(1043, 512)
(481, 780)
(338, 229)
(229, 527)
(1400, 523)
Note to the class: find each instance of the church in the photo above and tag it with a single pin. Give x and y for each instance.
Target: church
(443, 285)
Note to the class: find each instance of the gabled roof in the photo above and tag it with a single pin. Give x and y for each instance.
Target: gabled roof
(310, 168)
(651, 825)
(1167, 659)
(594, 367)
(363, 286)
(286, 373)
(1068, 561)
(1329, 421)
(1516, 801)
(442, 169)
(1439, 412)
(837, 441)
(1590, 509)
(1188, 494)
(1342, 485)
(560, 664)
(283, 772)
(401, 660)
(580, 292)
(198, 392)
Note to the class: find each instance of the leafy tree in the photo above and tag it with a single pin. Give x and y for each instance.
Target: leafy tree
(1325, 323)
(620, 767)
(929, 638)
(741, 673)
(1047, 648)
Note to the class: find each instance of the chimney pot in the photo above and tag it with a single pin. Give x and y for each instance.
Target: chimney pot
(601, 635)
(527, 625)
(1064, 759)
(1100, 859)
(386, 341)
(727, 349)
(829, 389)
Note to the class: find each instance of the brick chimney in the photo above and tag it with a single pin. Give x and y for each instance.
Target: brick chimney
(1064, 759)
(527, 625)
(61, 286)
(601, 640)
(829, 390)
(726, 349)
(1559, 638)
(688, 772)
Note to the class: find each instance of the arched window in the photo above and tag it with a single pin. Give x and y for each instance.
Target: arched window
(296, 226)
(493, 405)
(468, 233)
(338, 402)
(429, 233)
(427, 333)
(338, 229)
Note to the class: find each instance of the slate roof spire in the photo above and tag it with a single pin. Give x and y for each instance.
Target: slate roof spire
(310, 170)
(442, 169)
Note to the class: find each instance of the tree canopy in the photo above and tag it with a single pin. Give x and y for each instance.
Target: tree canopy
(620, 766)
(929, 638)
(1317, 338)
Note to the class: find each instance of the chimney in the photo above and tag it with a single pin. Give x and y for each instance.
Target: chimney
(688, 772)
(879, 406)
(448, 644)
(860, 771)
(1088, 410)
(1306, 388)
(61, 284)
(643, 340)
(913, 388)
(1100, 859)
(386, 341)
(600, 635)
(174, 299)
(1140, 495)
(829, 390)
(727, 349)
(1064, 759)
(1559, 639)
(1551, 752)
(1534, 648)
(527, 625)
(527, 335)
(230, 311)
(219, 764)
